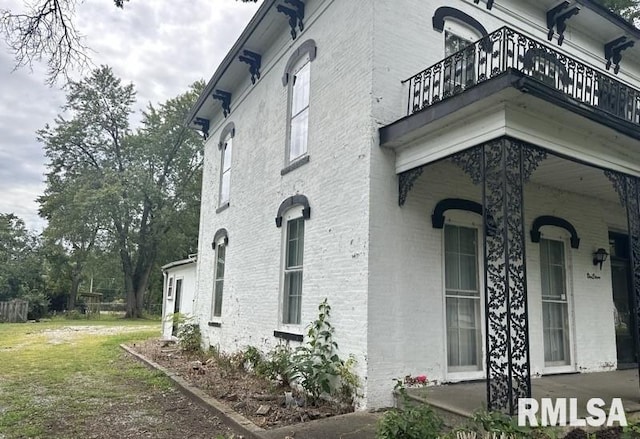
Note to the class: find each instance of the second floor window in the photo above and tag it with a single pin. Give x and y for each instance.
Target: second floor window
(225, 170)
(461, 70)
(299, 110)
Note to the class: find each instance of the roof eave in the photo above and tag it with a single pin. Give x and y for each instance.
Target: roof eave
(612, 17)
(231, 56)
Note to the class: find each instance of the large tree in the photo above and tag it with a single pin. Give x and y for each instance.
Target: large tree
(143, 182)
(72, 207)
(21, 268)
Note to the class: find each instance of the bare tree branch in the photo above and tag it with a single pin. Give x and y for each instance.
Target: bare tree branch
(45, 31)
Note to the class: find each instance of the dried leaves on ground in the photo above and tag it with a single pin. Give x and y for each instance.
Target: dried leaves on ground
(256, 398)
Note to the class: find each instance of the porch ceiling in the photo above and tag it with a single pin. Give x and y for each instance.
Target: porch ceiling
(574, 177)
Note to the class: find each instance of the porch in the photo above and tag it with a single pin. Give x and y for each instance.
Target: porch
(463, 399)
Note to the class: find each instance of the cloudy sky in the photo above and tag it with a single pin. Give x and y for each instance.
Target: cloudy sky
(160, 47)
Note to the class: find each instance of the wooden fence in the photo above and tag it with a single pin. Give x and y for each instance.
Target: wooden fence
(14, 311)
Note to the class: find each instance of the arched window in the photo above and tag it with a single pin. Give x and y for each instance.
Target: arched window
(297, 77)
(292, 214)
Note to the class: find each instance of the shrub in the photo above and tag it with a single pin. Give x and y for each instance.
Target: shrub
(410, 422)
(190, 338)
(38, 305)
(277, 366)
(315, 365)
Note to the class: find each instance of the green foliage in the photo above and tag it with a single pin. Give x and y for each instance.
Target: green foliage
(38, 304)
(190, 338)
(413, 421)
(497, 422)
(277, 364)
(350, 384)
(316, 365)
(631, 431)
(629, 9)
(136, 193)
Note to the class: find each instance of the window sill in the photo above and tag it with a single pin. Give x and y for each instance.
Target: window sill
(215, 324)
(289, 336)
(295, 165)
(222, 207)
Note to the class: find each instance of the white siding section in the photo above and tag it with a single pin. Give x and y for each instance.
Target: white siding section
(187, 273)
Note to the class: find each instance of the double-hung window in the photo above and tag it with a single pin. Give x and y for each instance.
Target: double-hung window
(293, 268)
(299, 110)
(218, 284)
(555, 318)
(462, 296)
(459, 70)
(225, 170)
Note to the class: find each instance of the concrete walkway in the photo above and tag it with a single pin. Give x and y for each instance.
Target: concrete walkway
(465, 398)
(359, 425)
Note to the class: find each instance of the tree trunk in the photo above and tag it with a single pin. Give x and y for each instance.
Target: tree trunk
(73, 293)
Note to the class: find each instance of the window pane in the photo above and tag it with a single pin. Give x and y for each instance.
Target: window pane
(467, 241)
(453, 43)
(226, 159)
(225, 187)
(451, 271)
(293, 294)
(217, 307)
(299, 134)
(220, 262)
(556, 252)
(468, 275)
(300, 92)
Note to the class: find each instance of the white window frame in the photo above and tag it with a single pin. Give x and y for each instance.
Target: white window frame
(292, 214)
(557, 235)
(219, 244)
(170, 288)
(303, 63)
(225, 170)
(468, 220)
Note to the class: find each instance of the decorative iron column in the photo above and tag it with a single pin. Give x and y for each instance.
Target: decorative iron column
(628, 189)
(503, 166)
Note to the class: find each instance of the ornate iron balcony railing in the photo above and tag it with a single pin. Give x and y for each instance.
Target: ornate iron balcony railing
(508, 49)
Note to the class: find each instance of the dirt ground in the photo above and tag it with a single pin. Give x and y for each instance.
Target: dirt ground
(152, 414)
(255, 398)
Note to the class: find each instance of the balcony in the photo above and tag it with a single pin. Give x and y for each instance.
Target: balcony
(576, 85)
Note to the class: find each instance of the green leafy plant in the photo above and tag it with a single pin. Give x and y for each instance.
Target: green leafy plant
(631, 431)
(316, 365)
(252, 358)
(190, 338)
(350, 384)
(412, 421)
(277, 365)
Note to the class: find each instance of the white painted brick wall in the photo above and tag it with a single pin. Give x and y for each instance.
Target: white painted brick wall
(335, 182)
(406, 302)
(379, 265)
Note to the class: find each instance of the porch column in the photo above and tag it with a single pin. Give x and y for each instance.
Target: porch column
(507, 328)
(628, 189)
(503, 166)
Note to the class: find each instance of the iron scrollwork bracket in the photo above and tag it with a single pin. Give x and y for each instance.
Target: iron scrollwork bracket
(557, 19)
(489, 3)
(255, 62)
(204, 126)
(613, 52)
(406, 181)
(295, 14)
(225, 98)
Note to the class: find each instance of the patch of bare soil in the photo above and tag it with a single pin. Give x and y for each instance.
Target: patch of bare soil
(68, 333)
(151, 413)
(256, 398)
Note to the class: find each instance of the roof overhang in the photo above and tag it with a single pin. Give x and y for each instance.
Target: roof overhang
(174, 264)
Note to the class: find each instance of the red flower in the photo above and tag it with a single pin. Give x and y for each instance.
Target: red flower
(421, 379)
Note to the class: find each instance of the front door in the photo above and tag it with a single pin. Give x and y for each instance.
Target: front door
(623, 305)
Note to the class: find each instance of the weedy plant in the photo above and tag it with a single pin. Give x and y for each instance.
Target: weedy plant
(316, 364)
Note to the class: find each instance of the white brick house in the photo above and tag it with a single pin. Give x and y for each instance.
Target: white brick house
(452, 218)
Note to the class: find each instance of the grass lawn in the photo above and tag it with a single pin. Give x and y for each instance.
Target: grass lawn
(56, 377)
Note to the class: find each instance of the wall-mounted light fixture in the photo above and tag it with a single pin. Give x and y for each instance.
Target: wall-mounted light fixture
(599, 257)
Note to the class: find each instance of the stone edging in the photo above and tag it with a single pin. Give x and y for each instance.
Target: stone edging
(232, 418)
